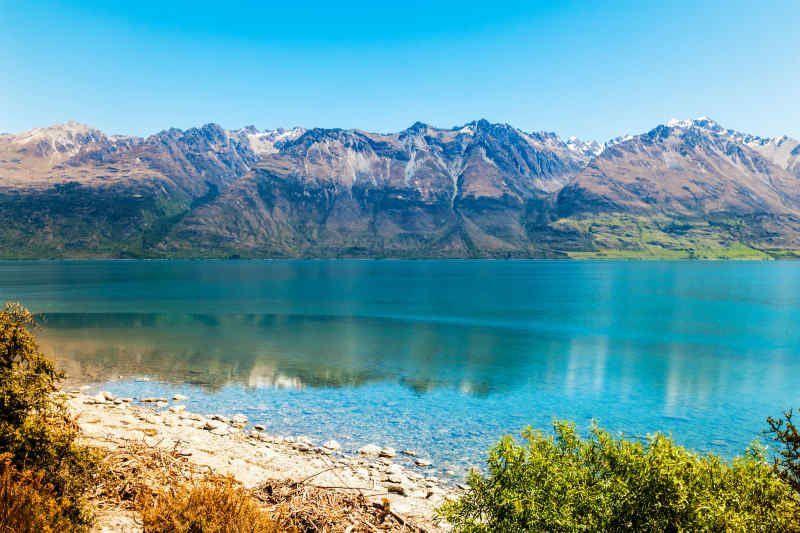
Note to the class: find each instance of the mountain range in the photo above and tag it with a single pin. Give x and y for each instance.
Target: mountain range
(685, 189)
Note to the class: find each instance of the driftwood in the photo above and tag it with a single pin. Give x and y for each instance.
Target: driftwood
(134, 466)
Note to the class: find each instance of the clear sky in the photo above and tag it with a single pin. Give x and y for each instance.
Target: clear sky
(590, 69)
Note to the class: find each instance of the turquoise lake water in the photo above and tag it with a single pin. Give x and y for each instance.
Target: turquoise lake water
(439, 356)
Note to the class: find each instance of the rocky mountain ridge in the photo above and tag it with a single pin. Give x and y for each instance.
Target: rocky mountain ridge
(687, 188)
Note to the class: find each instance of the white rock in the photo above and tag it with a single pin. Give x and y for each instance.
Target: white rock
(179, 397)
(394, 469)
(213, 424)
(388, 452)
(221, 431)
(422, 462)
(239, 420)
(99, 398)
(161, 405)
(108, 396)
(332, 445)
(370, 449)
(177, 408)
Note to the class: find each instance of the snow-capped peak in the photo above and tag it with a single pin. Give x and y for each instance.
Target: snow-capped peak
(265, 142)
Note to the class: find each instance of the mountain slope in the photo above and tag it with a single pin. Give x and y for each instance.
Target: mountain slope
(684, 189)
(418, 193)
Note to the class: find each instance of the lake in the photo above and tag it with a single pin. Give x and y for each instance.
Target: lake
(442, 357)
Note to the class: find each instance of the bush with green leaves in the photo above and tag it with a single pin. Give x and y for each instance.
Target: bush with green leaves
(36, 433)
(601, 483)
(786, 437)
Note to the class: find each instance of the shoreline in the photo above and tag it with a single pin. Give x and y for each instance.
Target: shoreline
(235, 448)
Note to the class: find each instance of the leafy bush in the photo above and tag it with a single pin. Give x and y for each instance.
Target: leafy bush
(35, 430)
(213, 506)
(563, 483)
(786, 435)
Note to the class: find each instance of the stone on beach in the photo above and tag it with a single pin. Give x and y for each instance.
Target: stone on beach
(239, 420)
(108, 396)
(332, 445)
(177, 408)
(370, 449)
(259, 427)
(213, 424)
(387, 452)
(396, 488)
(422, 462)
(99, 398)
(394, 469)
(179, 397)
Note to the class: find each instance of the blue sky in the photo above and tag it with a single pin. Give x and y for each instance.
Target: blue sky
(590, 69)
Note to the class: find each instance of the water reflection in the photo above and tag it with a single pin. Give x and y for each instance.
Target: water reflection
(473, 346)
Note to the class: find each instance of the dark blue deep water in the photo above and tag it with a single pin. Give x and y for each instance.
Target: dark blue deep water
(439, 356)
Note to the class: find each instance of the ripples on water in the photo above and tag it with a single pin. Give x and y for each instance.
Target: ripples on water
(440, 356)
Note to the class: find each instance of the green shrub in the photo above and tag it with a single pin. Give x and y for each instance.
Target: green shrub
(35, 430)
(787, 438)
(563, 483)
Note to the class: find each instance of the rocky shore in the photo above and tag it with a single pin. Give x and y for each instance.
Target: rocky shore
(231, 446)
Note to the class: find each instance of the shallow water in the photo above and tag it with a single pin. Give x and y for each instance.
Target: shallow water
(439, 356)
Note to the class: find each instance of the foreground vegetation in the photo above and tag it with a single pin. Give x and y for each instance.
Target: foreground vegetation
(44, 474)
(565, 483)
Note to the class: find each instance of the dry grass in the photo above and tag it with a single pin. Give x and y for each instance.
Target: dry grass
(28, 504)
(217, 505)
